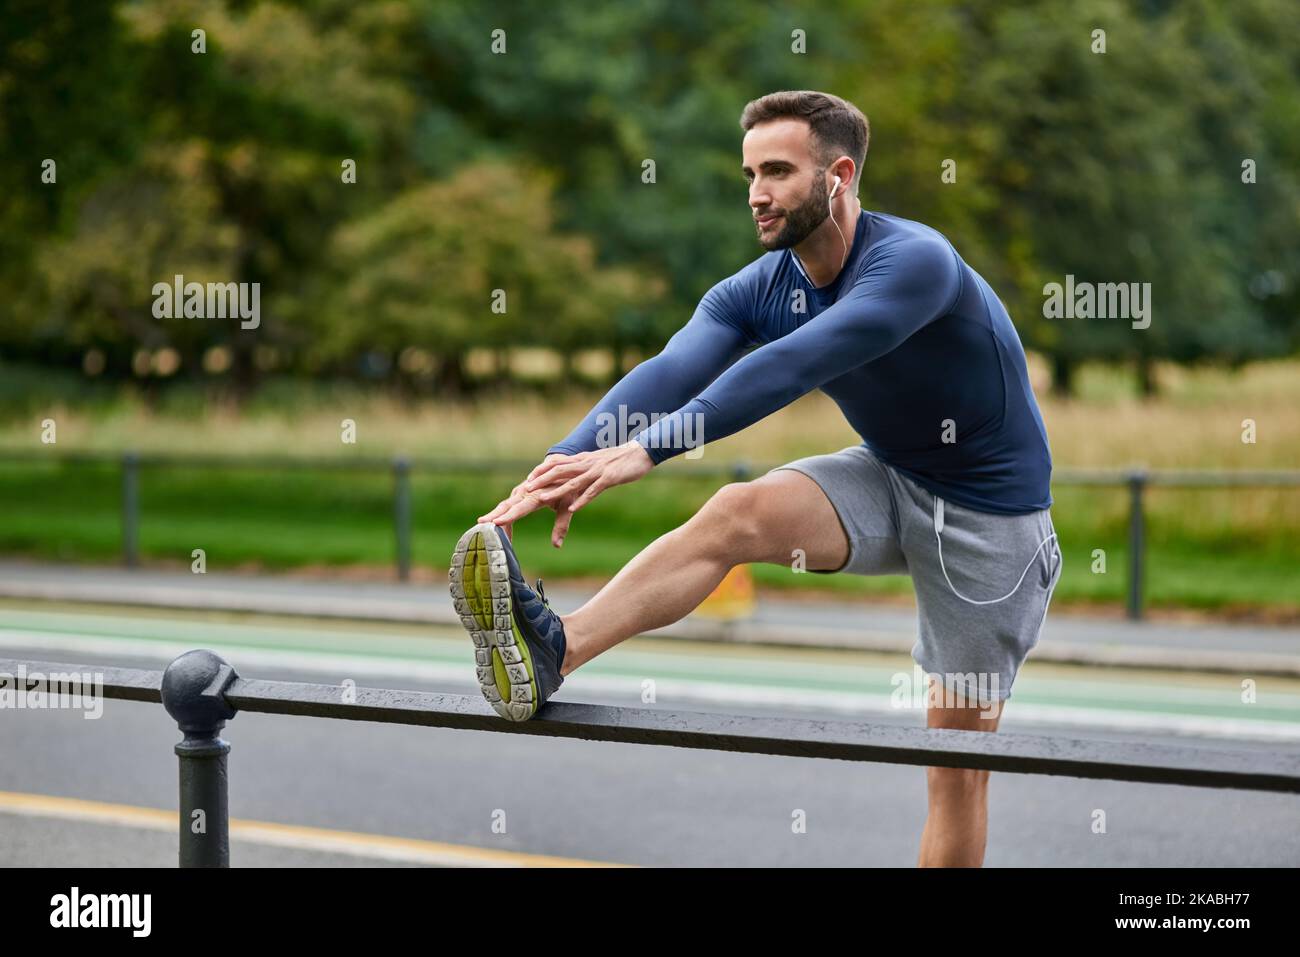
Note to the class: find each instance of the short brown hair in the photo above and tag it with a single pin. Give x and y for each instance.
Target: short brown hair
(838, 128)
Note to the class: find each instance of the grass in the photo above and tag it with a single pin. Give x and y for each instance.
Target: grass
(1229, 550)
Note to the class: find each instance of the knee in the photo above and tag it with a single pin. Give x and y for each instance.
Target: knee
(736, 511)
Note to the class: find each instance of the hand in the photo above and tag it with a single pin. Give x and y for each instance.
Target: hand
(566, 483)
(518, 497)
(570, 484)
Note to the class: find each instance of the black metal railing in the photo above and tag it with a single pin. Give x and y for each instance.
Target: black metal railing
(202, 692)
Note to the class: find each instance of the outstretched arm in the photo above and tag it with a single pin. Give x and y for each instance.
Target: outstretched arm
(712, 339)
(902, 288)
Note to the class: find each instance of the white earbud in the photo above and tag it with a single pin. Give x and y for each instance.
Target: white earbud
(831, 212)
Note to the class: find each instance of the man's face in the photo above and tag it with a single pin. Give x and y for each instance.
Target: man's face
(787, 190)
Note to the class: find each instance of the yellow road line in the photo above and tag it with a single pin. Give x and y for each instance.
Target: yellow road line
(411, 850)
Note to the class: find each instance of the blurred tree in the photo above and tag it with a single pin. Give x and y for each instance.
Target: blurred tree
(139, 227)
(227, 165)
(68, 93)
(1119, 167)
(425, 270)
(234, 171)
(593, 91)
(283, 95)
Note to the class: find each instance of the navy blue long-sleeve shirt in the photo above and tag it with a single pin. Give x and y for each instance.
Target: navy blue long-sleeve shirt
(909, 341)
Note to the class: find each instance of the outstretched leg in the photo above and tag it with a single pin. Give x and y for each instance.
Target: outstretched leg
(760, 521)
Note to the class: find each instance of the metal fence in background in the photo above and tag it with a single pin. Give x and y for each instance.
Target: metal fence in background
(1136, 481)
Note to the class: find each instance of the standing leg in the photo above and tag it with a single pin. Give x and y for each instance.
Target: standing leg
(956, 826)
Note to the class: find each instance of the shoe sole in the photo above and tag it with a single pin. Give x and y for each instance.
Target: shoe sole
(480, 590)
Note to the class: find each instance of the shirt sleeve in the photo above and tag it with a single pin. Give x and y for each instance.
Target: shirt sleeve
(903, 286)
(714, 337)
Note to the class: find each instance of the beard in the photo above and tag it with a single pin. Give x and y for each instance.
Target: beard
(797, 224)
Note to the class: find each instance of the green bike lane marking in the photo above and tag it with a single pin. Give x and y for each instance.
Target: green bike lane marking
(831, 670)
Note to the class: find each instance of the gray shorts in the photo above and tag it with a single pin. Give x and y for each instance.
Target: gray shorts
(890, 524)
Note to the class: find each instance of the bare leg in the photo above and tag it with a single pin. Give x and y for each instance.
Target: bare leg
(759, 521)
(956, 828)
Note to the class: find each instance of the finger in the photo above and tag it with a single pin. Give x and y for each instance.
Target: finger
(516, 495)
(547, 466)
(596, 488)
(568, 488)
(562, 520)
(505, 503)
(517, 511)
(501, 507)
(557, 474)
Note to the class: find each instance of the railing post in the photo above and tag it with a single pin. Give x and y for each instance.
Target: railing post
(1137, 481)
(193, 692)
(130, 509)
(402, 515)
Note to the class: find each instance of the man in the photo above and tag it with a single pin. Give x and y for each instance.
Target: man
(949, 485)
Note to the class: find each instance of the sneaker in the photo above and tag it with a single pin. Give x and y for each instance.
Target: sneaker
(519, 641)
